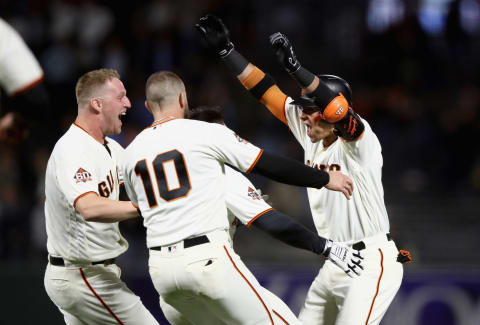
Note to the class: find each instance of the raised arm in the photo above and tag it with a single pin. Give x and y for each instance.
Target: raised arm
(260, 85)
(330, 94)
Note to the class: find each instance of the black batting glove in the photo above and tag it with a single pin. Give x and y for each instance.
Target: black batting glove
(284, 52)
(216, 34)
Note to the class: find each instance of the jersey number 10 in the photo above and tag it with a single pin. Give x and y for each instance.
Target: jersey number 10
(160, 165)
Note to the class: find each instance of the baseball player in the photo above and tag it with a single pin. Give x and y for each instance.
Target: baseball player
(22, 79)
(245, 204)
(82, 212)
(333, 137)
(174, 172)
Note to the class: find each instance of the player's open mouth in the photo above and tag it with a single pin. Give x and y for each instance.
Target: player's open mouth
(122, 115)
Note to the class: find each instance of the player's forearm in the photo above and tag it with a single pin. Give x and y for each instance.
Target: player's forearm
(99, 209)
(287, 230)
(263, 87)
(289, 171)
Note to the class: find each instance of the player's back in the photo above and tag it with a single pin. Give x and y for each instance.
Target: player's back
(174, 172)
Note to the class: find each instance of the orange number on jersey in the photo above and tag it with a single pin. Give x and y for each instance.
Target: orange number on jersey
(166, 192)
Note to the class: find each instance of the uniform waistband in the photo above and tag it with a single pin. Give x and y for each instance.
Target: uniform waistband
(59, 261)
(216, 236)
(373, 240)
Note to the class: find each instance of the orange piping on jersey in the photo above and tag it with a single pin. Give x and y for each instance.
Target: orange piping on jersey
(274, 99)
(78, 126)
(378, 286)
(281, 318)
(134, 205)
(100, 299)
(161, 122)
(358, 138)
(27, 87)
(253, 78)
(254, 162)
(258, 216)
(82, 195)
(250, 285)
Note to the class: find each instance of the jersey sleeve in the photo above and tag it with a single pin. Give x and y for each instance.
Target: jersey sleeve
(230, 148)
(126, 171)
(292, 114)
(365, 148)
(243, 199)
(19, 69)
(76, 175)
(131, 192)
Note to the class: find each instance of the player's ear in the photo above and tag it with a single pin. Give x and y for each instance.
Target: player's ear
(148, 107)
(96, 103)
(182, 100)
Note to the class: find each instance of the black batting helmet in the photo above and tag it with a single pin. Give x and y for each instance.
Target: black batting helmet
(336, 85)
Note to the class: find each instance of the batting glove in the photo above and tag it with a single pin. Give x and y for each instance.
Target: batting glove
(216, 34)
(346, 258)
(284, 52)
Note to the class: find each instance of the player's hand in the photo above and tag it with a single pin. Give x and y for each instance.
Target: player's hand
(216, 34)
(340, 183)
(346, 258)
(284, 52)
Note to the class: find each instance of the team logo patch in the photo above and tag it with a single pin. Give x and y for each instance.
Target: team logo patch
(82, 176)
(240, 139)
(254, 194)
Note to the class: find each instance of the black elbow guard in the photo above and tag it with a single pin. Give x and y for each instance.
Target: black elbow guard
(350, 127)
(263, 85)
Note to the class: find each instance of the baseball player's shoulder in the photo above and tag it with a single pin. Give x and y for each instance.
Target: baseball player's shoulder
(201, 128)
(70, 140)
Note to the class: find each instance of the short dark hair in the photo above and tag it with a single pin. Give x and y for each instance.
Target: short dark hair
(211, 114)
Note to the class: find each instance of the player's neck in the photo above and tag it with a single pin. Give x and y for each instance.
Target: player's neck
(329, 140)
(90, 126)
(166, 114)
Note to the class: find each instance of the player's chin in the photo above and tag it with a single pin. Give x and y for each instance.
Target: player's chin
(314, 138)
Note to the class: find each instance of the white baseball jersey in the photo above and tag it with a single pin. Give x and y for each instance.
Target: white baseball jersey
(174, 172)
(79, 165)
(243, 200)
(19, 69)
(364, 215)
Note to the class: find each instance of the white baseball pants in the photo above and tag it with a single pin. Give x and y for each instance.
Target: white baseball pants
(210, 279)
(94, 294)
(335, 298)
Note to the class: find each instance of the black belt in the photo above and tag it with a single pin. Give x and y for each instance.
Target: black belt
(189, 242)
(58, 261)
(361, 245)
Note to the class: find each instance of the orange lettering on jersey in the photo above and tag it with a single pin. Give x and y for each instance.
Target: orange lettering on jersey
(103, 189)
(325, 167)
(110, 181)
(107, 187)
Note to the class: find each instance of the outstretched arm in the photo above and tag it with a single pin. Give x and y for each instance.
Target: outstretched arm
(289, 231)
(260, 85)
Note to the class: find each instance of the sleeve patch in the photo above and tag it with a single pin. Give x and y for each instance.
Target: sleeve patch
(82, 175)
(241, 140)
(254, 194)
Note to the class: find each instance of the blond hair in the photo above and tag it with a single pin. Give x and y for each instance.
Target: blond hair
(90, 82)
(163, 87)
